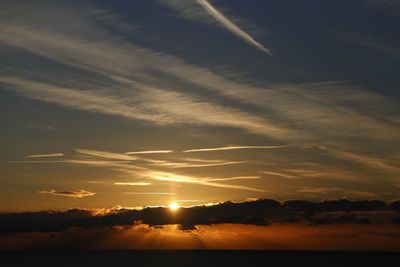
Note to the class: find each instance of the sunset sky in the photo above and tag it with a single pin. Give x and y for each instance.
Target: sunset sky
(147, 103)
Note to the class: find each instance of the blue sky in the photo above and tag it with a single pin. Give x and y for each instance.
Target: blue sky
(283, 99)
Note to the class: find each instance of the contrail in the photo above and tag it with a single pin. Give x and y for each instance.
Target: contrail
(228, 24)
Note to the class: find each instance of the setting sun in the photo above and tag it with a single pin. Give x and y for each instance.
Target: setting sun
(173, 206)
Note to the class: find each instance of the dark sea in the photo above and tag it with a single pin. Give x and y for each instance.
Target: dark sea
(204, 258)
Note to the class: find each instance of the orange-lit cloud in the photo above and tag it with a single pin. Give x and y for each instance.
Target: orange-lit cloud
(234, 148)
(133, 183)
(149, 152)
(105, 154)
(172, 177)
(74, 194)
(46, 155)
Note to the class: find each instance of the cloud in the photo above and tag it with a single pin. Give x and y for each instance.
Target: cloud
(74, 194)
(157, 106)
(229, 25)
(133, 183)
(371, 42)
(88, 162)
(383, 164)
(284, 175)
(148, 193)
(191, 10)
(177, 178)
(338, 191)
(119, 80)
(235, 178)
(392, 5)
(129, 89)
(104, 154)
(145, 168)
(176, 165)
(150, 152)
(319, 190)
(259, 212)
(224, 148)
(46, 155)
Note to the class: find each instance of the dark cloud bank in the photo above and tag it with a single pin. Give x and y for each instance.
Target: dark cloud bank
(260, 212)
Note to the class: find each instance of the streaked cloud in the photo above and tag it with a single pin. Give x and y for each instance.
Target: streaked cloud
(284, 175)
(234, 178)
(234, 148)
(156, 100)
(104, 154)
(319, 190)
(331, 172)
(148, 193)
(133, 183)
(371, 42)
(177, 178)
(383, 164)
(392, 6)
(150, 152)
(73, 194)
(50, 155)
(113, 75)
(346, 193)
(167, 107)
(176, 165)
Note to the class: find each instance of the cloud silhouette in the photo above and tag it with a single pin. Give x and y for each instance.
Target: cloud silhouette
(260, 212)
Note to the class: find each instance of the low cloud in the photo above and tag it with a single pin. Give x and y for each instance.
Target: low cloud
(74, 194)
(261, 212)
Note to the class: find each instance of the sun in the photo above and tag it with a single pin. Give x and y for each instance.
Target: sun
(173, 206)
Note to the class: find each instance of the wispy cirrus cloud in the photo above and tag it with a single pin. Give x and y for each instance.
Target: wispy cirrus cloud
(391, 5)
(224, 148)
(73, 194)
(280, 174)
(177, 178)
(148, 193)
(120, 81)
(390, 165)
(149, 152)
(315, 105)
(150, 169)
(50, 155)
(371, 42)
(346, 193)
(133, 183)
(176, 165)
(105, 154)
(235, 178)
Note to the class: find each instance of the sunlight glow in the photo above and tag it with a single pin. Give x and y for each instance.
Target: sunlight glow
(173, 206)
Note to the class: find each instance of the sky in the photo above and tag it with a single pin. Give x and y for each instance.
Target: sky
(147, 103)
